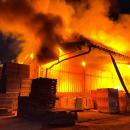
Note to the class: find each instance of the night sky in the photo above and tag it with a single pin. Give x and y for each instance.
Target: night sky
(124, 6)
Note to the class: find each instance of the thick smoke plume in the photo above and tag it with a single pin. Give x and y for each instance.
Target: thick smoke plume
(39, 30)
(43, 24)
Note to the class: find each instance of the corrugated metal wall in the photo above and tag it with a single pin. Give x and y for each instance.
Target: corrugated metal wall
(79, 80)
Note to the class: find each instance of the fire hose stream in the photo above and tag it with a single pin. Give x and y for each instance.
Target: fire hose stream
(90, 45)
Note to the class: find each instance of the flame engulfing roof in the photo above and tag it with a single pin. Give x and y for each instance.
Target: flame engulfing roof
(43, 26)
(82, 41)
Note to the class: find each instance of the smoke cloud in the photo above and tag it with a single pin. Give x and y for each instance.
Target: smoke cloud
(39, 30)
(43, 24)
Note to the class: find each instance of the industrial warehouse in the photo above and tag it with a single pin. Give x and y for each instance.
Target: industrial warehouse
(64, 65)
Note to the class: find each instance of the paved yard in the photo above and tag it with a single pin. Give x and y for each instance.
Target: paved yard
(86, 121)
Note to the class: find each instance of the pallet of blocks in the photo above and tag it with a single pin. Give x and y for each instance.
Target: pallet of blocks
(12, 74)
(10, 85)
(16, 70)
(124, 102)
(107, 100)
(25, 87)
(41, 98)
(8, 103)
(23, 106)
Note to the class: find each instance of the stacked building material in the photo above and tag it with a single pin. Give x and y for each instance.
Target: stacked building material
(23, 106)
(74, 102)
(41, 98)
(24, 71)
(25, 87)
(12, 74)
(78, 103)
(10, 85)
(9, 102)
(124, 102)
(15, 70)
(89, 103)
(94, 98)
(43, 90)
(108, 100)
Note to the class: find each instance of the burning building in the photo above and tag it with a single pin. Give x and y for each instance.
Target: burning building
(53, 31)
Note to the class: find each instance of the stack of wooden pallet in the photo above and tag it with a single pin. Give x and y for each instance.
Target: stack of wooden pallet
(11, 85)
(25, 87)
(107, 100)
(23, 106)
(9, 102)
(42, 97)
(44, 90)
(12, 74)
(124, 102)
(11, 82)
(16, 70)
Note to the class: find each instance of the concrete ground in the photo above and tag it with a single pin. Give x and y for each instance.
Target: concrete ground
(86, 121)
